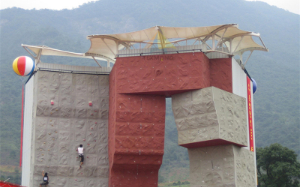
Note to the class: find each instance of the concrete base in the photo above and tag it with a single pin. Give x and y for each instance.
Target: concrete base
(222, 166)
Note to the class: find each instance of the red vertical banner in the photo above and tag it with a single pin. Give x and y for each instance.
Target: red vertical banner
(22, 119)
(250, 119)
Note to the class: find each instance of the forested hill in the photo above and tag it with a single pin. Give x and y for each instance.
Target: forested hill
(276, 72)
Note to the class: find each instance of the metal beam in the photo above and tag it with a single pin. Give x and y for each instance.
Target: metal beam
(242, 37)
(25, 47)
(244, 64)
(101, 56)
(108, 47)
(97, 62)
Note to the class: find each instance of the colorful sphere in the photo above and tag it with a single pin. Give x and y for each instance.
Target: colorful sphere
(254, 85)
(23, 65)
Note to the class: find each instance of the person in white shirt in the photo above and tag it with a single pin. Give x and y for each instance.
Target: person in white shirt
(80, 154)
(45, 179)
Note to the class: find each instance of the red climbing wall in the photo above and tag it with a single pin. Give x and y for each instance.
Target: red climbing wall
(162, 74)
(221, 73)
(136, 137)
(138, 87)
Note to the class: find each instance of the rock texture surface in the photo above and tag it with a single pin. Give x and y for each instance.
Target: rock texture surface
(136, 137)
(172, 73)
(138, 86)
(78, 115)
(120, 121)
(221, 73)
(212, 124)
(162, 74)
(220, 166)
(210, 116)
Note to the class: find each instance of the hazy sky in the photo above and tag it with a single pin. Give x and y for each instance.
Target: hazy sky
(290, 5)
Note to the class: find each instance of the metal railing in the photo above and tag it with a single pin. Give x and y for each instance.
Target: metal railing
(171, 50)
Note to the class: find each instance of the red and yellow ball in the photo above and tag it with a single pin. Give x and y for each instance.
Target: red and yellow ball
(23, 65)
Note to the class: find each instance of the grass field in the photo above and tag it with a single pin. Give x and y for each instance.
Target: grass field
(9, 169)
(170, 185)
(13, 173)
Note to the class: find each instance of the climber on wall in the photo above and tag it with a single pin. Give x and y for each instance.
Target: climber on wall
(80, 154)
(45, 179)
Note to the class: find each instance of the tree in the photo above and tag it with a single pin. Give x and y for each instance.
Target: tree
(17, 176)
(277, 166)
(161, 178)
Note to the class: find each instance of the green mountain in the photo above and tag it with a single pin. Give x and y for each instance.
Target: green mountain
(277, 101)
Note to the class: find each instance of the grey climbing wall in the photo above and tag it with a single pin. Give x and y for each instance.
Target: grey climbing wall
(225, 165)
(210, 115)
(70, 109)
(212, 124)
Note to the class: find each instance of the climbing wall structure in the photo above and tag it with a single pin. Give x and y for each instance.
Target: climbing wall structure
(64, 110)
(118, 113)
(212, 124)
(138, 86)
(206, 111)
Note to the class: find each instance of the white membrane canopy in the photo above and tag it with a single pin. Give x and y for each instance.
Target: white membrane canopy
(222, 38)
(48, 51)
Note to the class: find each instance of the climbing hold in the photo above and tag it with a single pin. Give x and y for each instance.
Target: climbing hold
(52, 102)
